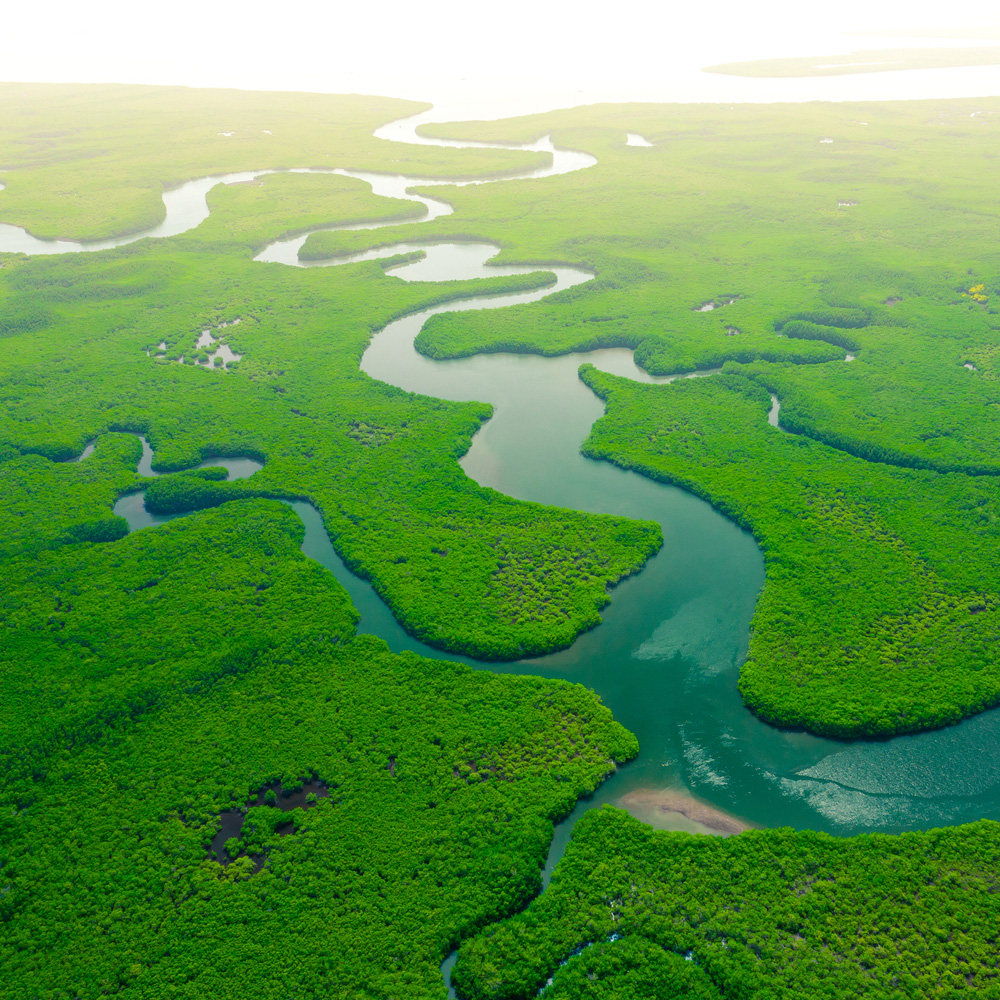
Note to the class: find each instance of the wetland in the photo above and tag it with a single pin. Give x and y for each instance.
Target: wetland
(666, 657)
(568, 437)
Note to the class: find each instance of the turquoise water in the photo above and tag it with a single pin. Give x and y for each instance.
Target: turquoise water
(666, 658)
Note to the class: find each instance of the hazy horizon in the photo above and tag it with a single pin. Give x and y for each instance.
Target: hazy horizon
(495, 62)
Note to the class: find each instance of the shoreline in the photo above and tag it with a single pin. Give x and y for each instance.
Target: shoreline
(678, 810)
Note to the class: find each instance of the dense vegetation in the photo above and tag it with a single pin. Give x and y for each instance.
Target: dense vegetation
(247, 216)
(630, 967)
(885, 284)
(154, 681)
(85, 493)
(769, 913)
(151, 682)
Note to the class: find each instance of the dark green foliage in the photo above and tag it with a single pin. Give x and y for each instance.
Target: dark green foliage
(48, 504)
(372, 887)
(766, 914)
(878, 616)
(87, 629)
(800, 329)
(192, 491)
(104, 529)
(24, 317)
(670, 228)
(629, 969)
(151, 683)
(848, 319)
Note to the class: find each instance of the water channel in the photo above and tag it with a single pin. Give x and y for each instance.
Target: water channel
(667, 656)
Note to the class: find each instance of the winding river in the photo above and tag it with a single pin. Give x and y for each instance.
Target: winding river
(667, 656)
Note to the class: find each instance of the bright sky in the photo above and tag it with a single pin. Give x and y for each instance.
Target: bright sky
(495, 57)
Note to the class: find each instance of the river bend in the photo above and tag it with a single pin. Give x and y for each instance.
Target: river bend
(667, 656)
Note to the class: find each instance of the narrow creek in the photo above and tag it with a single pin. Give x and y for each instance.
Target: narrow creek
(667, 656)
(186, 206)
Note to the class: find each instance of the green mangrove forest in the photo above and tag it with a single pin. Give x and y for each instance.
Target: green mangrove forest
(633, 911)
(831, 269)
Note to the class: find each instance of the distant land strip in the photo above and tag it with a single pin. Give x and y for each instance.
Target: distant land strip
(968, 33)
(862, 61)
